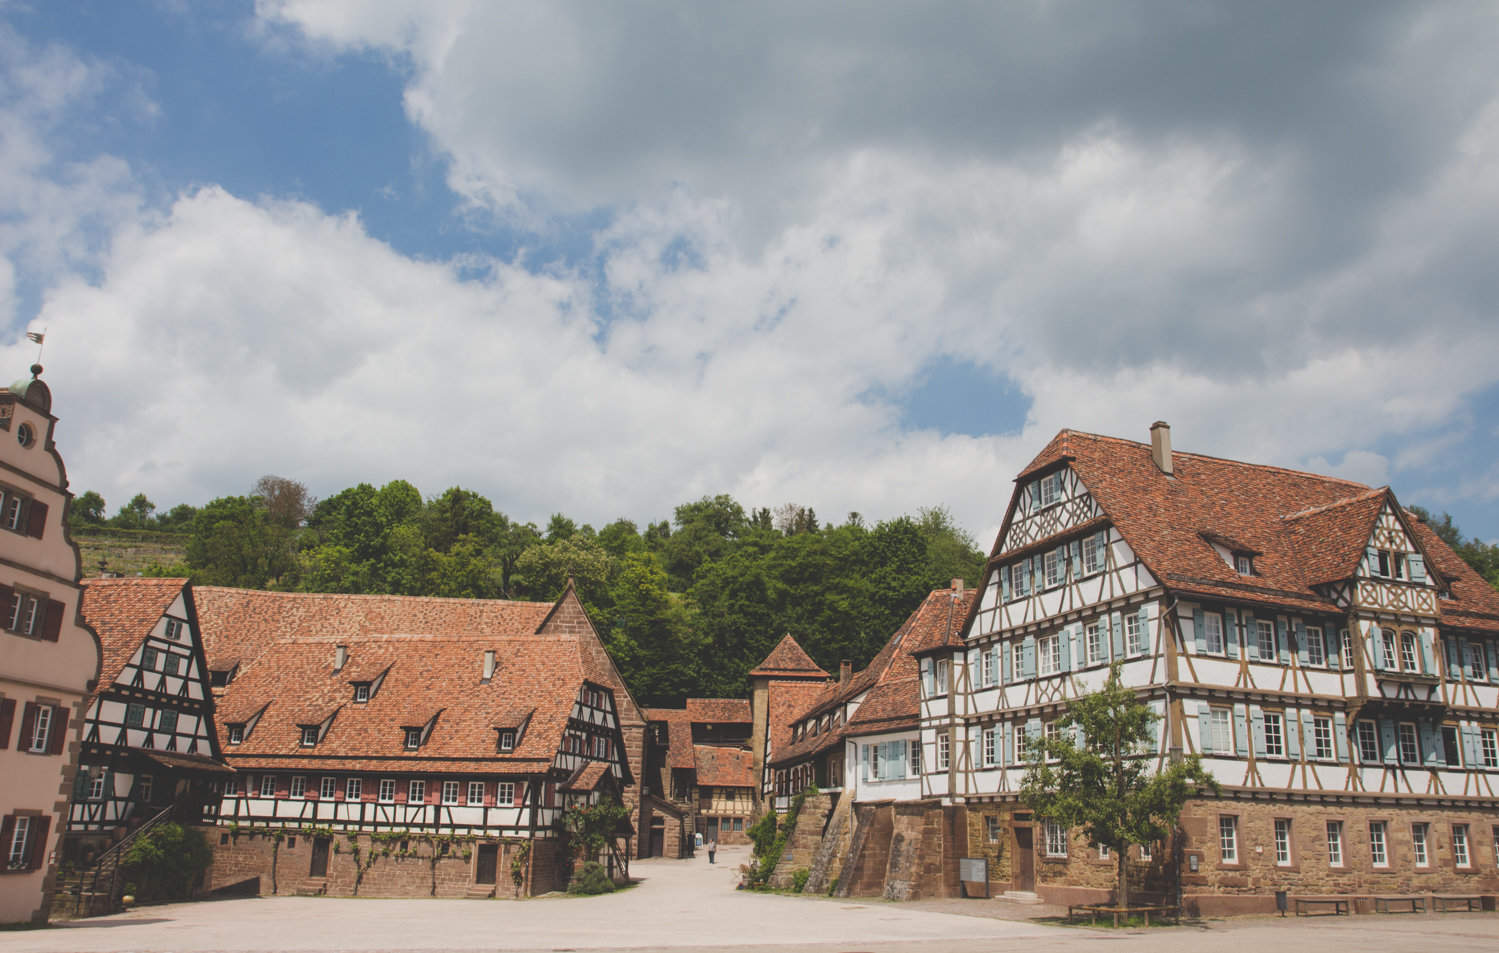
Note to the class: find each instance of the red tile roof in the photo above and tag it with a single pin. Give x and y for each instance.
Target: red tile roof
(718, 711)
(724, 767)
(586, 778)
(788, 659)
(678, 736)
(124, 611)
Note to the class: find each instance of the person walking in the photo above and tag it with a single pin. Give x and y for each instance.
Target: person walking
(712, 849)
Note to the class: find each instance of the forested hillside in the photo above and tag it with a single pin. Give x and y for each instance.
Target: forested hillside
(687, 605)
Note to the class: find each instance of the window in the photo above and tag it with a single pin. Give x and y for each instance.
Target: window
(1243, 564)
(309, 735)
(1147, 853)
(915, 754)
(236, 734)
(29, 614)
(361, 692)
(991, 746)
(1316, 649)
(943, 751)
(327, 788)
(267, 785)
(18, 852)
(1275, 742)
(387, 792)
(1052, 562)
(1460, 845)
(41, 728)
(1051, 489)
(1368, 742)
(1283, 841)
(1477, 665)
(171, 664)
(298, 786)
(413, 738)
(96, 787)
(475, 793)
(1051, 730)
(1103, 851)
(1213, 627)
(1049, 654)
(1409, 657)
(1418, 844)
(166, 721)
(991, 829)
(1322, 738)
(353, 789)
(1345, 642)
(1264, 636)
(986, 666)
(1020, 578)
(12, 510)
(1334, 843)
(1410, 747)
(416, 792)
(1022, 744)
(450, 792)
(1488, 744)
(1096, 651)
(942, 665)
(1056, 839)
(1228, 839)
(507, 741)
(1018, 656)
(504, 792)
(1377, 853)
(135, 715)
(1093, 550)
(1451, 746)
(1219, 736)
(175, 630)
(1134, 636)
(148, 659)
(1387, 640)
(1382, 563)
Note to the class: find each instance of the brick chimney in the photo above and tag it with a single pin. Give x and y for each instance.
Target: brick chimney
(340, 658)
(1160, 446)
(845, 670)
(957, 586)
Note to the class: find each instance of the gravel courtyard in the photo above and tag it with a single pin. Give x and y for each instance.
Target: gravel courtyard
(689, 905)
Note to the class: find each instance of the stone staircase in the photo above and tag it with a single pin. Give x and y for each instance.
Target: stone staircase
(95, 891)
(311, 887)
(802, 847)
(827, 860)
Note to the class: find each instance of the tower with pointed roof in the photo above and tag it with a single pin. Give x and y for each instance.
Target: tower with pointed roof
(781, 686)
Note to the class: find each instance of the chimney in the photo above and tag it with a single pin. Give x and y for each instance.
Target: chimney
(957, 585)
(488, 664)
(1160, 446)
(845, 671)
(340, 658)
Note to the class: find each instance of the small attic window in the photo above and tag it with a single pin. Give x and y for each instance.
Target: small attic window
(1244, 564)
(174, 630)
(413, 738)
(507, 740)
(309, 735)
(236, 733)
(361, 692)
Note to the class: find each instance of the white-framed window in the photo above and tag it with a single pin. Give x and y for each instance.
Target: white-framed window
(1017, 649)
(1103, 851)
(915, 755)
(1368, 742)
(1228, 839)
(1093, 635)
(1022, 744)
(1052, 562)
(267, 785)
(416, 792)
(361, 692)
(1334, 843)
(1387, 640)
(1220, 733)
(1460, 855)
(236, 734)
(475, 793)
(412, 738)
(507, 740)
(387, 790)
(1056, 839)
(1488, 747)
(1283, 841)
(504, 793)
(991, 829)
(1264, 635)
(309, 735)
(1378, 855)
(1452, 746)
(17, 854)
(1478, 669)
(1212, 623)
(1275, 740)
(1049, 654)
(298, 786)
(1020, 578)
(1093, 553)
(1051, 489)
(450, 792)
(327, 788)
(1134, 635)
(1243, 564)
(991, 746)
(1345, 643)
(1316, 649)
(944, 751)
(1418, 844)
(174, 630)
(1147, 853)
(41, 729)
(1410, 657)
(353, 789)
(986, 666)
(1410, 744)
(96, 787)
(13, 508)
(1322, 738)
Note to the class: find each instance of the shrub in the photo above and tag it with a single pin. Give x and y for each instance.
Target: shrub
(591, 879)
(799, 879)
(167, 862)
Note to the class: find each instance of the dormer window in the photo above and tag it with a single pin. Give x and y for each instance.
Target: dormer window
(413, 738)
(236, 734)
(361, 692)
(1244, 564)
(309, 735)
(174, 630)
(507, 741)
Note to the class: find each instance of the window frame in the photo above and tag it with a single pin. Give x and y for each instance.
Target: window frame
(1282, 838)
(1462, 855)
(1277, 747)
(1094, 644)
(354, 789)
(1264, 637)
(1134, 635)
(1323, 748)
(1228, 839)
(298, 786)
(470, 800)
(309, 738)
(235, 733)
(1316, 646)
(41, 729)
(18, 851)
(1488, 747)
(1335, 844)
(504, 793)
(1366, 735)
(944, 751)
(416, 791)
(1055, 836)
(267, 786)
(386, 792)
(1048, 655)
(1420, 835)
(327, 788)
(451, 793)
(1407, 732)
(411, 739)
(1213, 627)
(1379, 844)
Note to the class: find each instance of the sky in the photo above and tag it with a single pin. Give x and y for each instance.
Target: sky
(603, 259)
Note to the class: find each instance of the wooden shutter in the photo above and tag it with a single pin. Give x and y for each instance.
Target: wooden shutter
(1145, 639)
(1301, 656)
(1427, 665)
(1282, 640)
(1231, 632)
(1199, 630)
(1290, 727)
(1116, 634)
(1005, 650)
(7, 597)
(36, 519)
(40, 827)
(1240, 746)
(1340, 736)
(1454, 659)
(1028, 657)
(1065, 638)
(58, 736)
(52, 622)
(1332, 649)
(1251, 637)
(1391, 739)
(1077, 559)
(1431, 743)
(1004, 583)
(7, 717)
(28, 722)
(7, 831)
(1257, 730)
(1205, 727)
(1417, 564)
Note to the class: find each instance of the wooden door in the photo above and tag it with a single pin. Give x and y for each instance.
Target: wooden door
(658, 838)
(488, 863)
(712, 829)
(319, 857)
(1025, 860)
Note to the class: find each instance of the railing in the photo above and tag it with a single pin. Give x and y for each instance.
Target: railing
(107, 865)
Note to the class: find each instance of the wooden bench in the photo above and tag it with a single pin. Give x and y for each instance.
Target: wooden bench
(1333, 906)
(1093, 910)
(1399, 904)
(1447, 902)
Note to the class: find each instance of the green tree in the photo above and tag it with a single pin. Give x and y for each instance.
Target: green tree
(543, 569)
(87, 509)
(1105, 781)
(621, 538)
(706, 530)
(287, 502)
(167, 862)
(234, 543)
(178, 518)
(136, 514)
(649, 634)
(1482, 557)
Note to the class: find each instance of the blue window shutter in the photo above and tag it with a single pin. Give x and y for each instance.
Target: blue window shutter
(1340, 735)
(1004, 661)
(1251, 636)
(1032, 731)
(1257, 730)
(1431, 743)
(864, 762)
(1376, 644)
(1231, 633)
(1332, 648)
(1493, 657)
(1009, 743)
(1290, 725)
(1308, 734)
(1282, 641)
(928, 678)
(1028, 657)
(1064, 640)
(995, 651)
(1199, 630)
(1204, 727)
(1155, 733)
(1417, 564)
(1038, 572)
(1145, 640)
(1301, 643)
(1428, 665)
(1079, 651)
(1004, 583)
(1116, 630)
(1371, 560)
(1391, 740)
(1472, 748)
(1077, 559)
(1454, 663)
(1241, 747)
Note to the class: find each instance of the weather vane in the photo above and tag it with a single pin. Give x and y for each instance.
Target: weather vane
(38, 337)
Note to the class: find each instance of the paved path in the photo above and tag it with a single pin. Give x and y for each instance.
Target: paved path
(689, 905)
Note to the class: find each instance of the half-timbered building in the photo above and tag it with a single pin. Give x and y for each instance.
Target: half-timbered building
(782, 688)
(1326, 654)
(49, 658)
(149, 744)
(705, 738)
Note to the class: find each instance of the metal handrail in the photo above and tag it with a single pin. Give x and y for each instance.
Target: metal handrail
(112, 858)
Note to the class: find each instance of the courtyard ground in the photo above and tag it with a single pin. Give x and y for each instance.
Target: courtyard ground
(690, 905)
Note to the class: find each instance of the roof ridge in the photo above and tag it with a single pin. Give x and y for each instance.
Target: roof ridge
(281, 593)
(1208, 456)
(1346, 501)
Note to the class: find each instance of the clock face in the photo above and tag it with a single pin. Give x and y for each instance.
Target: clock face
(25, 436)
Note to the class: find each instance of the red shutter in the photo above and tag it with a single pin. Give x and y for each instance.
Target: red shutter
(52, 624)
(38, 834)
(59, 728)
(7, 831)
(36, 518)
(28, 722)
(7, 597)
(520, 793)
(7, 717)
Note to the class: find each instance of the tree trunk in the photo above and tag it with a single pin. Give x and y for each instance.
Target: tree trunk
(1119, 858)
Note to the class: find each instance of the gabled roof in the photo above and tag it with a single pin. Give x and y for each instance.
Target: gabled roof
(724, 767)
(788, 660)
(678, 736)
(124, 611)
(718, 711)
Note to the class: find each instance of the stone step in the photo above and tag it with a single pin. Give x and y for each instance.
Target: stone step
(1020, 896)
(479, 892)
(316, 887)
